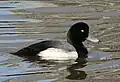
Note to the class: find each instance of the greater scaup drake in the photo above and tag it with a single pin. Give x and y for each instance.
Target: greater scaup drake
(58, 50)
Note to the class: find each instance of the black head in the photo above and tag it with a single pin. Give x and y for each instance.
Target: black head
(78, 33)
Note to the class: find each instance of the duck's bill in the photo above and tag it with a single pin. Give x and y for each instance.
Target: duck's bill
(92, 39)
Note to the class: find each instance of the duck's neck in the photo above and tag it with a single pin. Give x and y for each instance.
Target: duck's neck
(81, 50)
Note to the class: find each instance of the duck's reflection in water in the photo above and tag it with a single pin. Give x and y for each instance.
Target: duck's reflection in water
(77, 74)
(72, 69)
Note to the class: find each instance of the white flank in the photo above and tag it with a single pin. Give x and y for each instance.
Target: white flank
(57, 54)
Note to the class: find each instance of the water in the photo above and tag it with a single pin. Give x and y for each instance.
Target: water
(25, 22)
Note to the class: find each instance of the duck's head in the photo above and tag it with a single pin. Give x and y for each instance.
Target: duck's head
(78, 33)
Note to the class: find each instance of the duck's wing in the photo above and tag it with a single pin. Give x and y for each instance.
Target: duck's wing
(34, 49)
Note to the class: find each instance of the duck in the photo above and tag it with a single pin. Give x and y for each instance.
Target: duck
(72, 48)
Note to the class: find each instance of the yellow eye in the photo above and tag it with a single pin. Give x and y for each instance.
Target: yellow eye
(82, 30)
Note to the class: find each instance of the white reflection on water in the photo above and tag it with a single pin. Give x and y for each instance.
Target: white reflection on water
(4, 12)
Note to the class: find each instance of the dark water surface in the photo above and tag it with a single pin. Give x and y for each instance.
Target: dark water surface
(25, 22)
